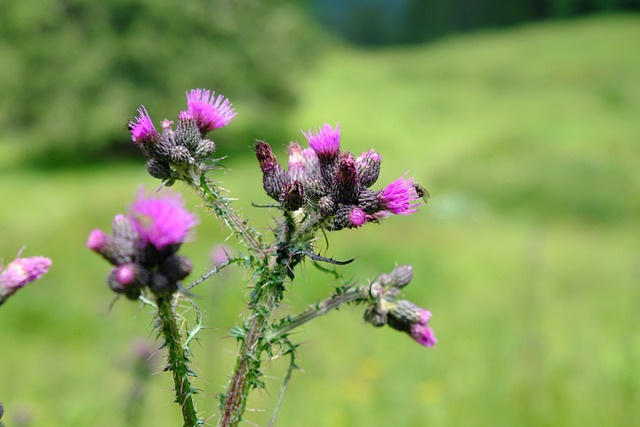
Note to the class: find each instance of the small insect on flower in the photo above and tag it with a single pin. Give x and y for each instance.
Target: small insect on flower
(422, 192)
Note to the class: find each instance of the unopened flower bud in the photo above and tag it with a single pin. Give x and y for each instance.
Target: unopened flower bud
(368, 201)
(159, 169)
(402, 275)
(205, 148)
(105, 245)
(292, 197)
(314, 189)
(187, 133)
(176, 267)
(348, 187)
(405, 312)
(375, 316)
(326, 206)
(180, 155)
(162, 285)
(385, 280)
(128, 279)
(349, 217)
(274, 178)
(407, 317)
(368, 165)
(131, 274)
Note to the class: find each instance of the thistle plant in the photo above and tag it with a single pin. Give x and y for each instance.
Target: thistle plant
(323, 189)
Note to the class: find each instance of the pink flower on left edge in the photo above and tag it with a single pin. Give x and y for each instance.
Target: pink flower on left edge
(163, 220)
(208, 110)
(19, 272)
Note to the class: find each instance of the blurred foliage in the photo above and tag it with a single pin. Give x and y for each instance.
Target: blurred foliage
(74, 71)
(374, 22)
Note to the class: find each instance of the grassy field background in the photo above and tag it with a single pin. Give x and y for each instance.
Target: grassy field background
(528, 252)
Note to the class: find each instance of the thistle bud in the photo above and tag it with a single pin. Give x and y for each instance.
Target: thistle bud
(368, 166)
(349, 217)
(105, 245)
(126, 276)
(274, 178)
(348, 187)
(407, 317)
(161, 285)
(326, 206)
(187, 133)
(404, 313)
(375, 316)
(402, 275)
(159, 169)
(180, 155)
(314, 189)
(292, 197)
(205, 148)
(176, 267)
(369, 202)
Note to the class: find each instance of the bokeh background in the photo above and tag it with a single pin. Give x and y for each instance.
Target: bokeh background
(522, 118)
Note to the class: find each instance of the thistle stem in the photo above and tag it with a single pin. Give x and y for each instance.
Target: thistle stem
(221, 208)
(178, 360)
(361, 293)
(265, 300)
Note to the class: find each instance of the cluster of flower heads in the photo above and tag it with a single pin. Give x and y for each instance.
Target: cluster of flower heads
(401, 315)
(336, 184)
(19, 272)
(144, 244)
(186, 145)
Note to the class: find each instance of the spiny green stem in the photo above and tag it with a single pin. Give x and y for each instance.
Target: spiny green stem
(177, 361)
(265, 301)
(361, 293)
(285, 384)
(222, 209)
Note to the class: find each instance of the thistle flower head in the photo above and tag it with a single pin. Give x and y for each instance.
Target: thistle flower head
(208, 110)
(326, 141)
(400, 197)
(162, 221)
(143, 130)
(21, 271)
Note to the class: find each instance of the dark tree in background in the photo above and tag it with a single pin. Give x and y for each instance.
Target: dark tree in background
(375, 22)
(72, 69)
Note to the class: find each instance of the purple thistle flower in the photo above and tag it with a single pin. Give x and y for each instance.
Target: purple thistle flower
(21, 271)
(400, 197)
(209, 112)
(423, 334)
(162, 221)
(143, 129)
(326, 141)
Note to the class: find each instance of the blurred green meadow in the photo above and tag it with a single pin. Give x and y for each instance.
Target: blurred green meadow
(527, 254)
